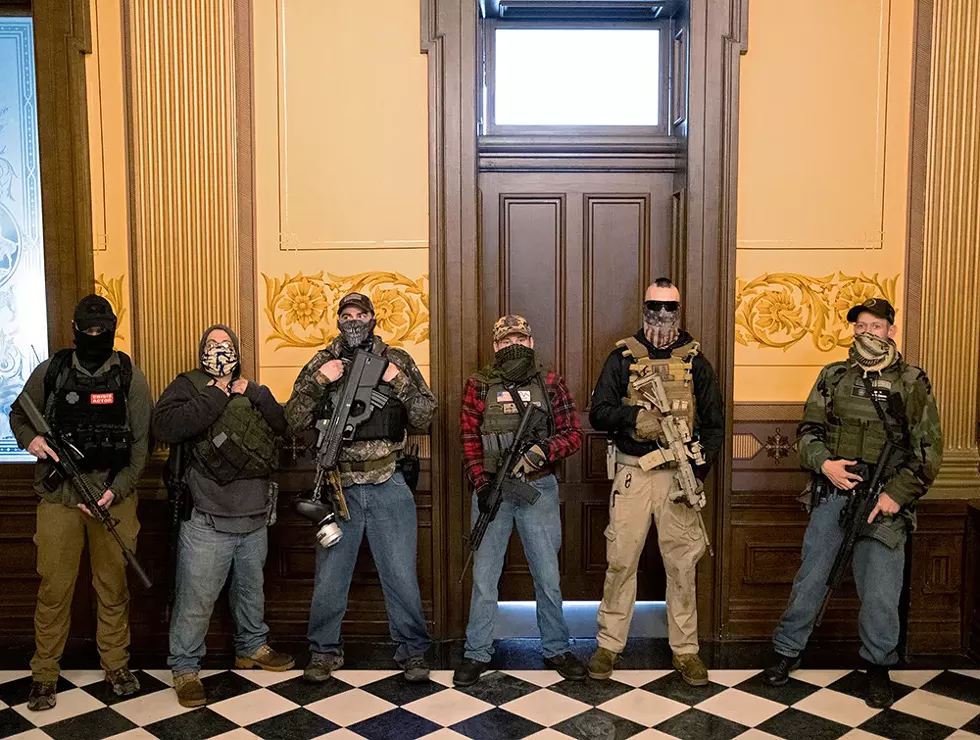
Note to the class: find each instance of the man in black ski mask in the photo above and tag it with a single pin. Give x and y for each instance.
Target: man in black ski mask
(96, 397)
(380, 503)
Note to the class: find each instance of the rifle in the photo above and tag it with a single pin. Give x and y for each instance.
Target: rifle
(358, 400)
(181, 503)
(681, 449)
(69, 465)
(854, 518)
(504, 483)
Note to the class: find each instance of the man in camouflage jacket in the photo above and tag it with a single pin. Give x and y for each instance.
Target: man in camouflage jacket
(380, 503)
(855, 407)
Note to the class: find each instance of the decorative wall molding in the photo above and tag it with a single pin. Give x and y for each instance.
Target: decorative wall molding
(113, 291)
(301, 308)
(779, 310)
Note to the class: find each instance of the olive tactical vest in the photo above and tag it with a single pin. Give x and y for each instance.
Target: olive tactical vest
(501, 418)
(855, 431)
(239, 444)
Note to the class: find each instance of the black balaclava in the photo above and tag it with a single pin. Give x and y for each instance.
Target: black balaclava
(91, 350)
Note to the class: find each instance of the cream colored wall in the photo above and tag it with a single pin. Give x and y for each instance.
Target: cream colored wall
(823, 183)
(107, 147)
(341, 177)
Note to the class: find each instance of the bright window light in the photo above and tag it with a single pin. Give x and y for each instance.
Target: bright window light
(577, 77)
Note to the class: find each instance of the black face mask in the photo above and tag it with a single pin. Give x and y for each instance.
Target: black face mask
(93, 351)
(515, 362)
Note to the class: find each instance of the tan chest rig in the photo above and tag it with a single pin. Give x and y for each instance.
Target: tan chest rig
(675, 372)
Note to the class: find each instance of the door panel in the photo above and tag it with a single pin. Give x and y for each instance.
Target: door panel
(573, 253)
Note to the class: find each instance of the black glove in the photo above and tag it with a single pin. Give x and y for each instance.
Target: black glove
(483, 497)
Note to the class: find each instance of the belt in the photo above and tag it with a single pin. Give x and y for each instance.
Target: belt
(650, 461)
(365, 466)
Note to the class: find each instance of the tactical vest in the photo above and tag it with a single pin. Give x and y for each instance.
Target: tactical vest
(91, 410)
(239, 444)
(855, 431)
(501, 418)
(388, 422)
(676, 372)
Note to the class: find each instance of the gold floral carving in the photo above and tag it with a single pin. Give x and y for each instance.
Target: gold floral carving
(112, 290)
(302, 308)
(778, 310)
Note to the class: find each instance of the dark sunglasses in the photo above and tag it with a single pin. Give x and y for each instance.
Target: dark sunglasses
(662, 305)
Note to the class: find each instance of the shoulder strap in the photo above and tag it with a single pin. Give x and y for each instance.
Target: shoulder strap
(125, 371)
(634, 348)
(199, 378)
(889, 427)
(54, 375)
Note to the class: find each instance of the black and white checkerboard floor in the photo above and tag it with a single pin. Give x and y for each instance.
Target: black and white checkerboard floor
(379, 705)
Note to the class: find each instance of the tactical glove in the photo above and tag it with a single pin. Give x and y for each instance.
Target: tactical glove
(533, 459)
(483, 497)
(648, 425)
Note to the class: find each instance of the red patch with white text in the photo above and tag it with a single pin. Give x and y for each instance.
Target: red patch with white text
(102, 399)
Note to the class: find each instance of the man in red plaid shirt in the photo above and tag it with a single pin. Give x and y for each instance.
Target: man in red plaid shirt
(488, 421)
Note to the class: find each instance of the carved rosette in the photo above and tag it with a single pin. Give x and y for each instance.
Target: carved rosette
(302, 308)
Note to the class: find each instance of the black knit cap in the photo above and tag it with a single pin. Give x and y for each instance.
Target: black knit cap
(876, 306)
(94, 310)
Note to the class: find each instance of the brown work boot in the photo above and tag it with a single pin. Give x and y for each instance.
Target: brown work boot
(43, 696)
(122, 681)
(190, 690)
(691, 668)
(267, 659)
(321, 666)
(601, 664)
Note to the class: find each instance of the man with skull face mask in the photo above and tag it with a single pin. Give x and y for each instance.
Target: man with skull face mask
(96, 397)
(691, 386)
(489, 418)
(380, 503)
(853, 408)
(229, 428)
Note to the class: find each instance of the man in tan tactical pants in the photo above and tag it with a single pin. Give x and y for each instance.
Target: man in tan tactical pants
(641, 430)
(637, 496)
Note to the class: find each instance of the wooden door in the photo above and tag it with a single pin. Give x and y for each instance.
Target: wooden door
(573, 253)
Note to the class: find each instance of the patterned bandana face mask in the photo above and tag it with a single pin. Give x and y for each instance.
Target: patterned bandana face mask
(355, 333)
(661, 327)
(872, 353)
(219, 360)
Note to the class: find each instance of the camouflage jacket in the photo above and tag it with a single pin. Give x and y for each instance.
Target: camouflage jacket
(826, 413)
(409, 386)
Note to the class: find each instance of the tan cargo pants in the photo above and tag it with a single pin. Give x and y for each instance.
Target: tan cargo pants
(61, 535)
(636, 496)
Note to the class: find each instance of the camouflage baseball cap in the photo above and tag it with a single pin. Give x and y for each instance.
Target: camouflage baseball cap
(510, 324)
(876, 306)
(356, 299)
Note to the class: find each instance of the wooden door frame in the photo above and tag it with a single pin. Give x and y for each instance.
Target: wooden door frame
(449, 38)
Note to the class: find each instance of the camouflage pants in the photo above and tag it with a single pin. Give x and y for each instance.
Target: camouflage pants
(637, 496)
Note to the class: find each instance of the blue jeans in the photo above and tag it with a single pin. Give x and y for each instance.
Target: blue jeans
(878, 574)
(204, 558)
(386, 513)
(539, 527)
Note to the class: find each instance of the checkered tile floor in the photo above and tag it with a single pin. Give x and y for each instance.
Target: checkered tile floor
(505, 705)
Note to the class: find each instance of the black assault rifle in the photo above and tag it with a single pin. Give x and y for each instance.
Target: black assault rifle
(854, 517)
(504, 483)
(69, 464)
(358, 400)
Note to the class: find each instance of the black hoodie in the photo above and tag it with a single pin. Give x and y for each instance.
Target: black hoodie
(183, 413)
(609, 414)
